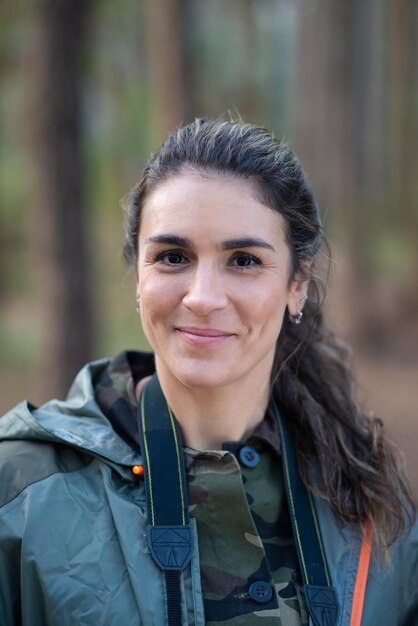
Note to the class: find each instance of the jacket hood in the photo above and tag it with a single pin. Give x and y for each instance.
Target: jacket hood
(79, 421)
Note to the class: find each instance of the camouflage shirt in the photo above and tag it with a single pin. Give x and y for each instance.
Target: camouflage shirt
(245, 536)
(236, 496)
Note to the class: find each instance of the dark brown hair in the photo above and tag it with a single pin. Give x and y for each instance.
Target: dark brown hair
(360, 473)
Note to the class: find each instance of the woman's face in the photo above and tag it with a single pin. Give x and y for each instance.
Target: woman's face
(213, 280)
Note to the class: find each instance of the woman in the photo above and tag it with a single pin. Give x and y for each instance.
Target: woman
(263, 498)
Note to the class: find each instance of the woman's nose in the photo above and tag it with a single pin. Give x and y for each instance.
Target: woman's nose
(206, 291)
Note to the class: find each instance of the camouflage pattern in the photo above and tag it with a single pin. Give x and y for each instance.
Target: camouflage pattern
(244, 529)
(244, 533)
(114, 392)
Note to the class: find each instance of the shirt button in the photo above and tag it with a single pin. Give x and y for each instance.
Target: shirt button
(249, 457)
(260, 592)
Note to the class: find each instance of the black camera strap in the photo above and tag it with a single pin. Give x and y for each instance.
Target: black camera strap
(320, 596)
(168, 531)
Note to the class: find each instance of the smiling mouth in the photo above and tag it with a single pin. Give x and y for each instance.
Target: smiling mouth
(204, 336)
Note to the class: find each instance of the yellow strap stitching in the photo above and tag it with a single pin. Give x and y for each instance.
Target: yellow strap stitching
(319, 538)
(147, 458)
(294, 513)
(173, 426)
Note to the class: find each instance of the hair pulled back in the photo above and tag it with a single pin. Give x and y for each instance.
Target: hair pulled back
(360, 474)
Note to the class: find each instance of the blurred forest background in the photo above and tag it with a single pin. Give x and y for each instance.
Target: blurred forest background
(90, 87)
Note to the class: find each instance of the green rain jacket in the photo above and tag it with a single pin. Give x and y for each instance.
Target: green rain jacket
(65, 473)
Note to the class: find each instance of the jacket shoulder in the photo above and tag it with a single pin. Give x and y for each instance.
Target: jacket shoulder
(23, 463)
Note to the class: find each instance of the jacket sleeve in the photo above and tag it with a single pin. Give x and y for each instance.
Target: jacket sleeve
(408, 579)
(10, 545)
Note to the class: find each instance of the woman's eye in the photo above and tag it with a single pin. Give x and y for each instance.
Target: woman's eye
(172, 258)
(244, 259)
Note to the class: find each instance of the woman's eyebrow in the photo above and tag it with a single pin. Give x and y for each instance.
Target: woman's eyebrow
(230, 244)
(246, 242)
(172, 240)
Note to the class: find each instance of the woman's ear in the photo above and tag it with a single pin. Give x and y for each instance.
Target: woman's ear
(297, 296)
(298, 290)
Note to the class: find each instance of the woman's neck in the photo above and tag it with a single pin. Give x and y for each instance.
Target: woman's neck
(208, 416)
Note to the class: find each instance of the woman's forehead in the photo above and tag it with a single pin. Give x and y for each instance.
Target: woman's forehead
(205, 201)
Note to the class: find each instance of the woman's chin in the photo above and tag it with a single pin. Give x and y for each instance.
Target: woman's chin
(202, 380)
(199, 375)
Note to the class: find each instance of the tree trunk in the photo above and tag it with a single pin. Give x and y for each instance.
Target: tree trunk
(168, 60)
(61, 227)
(403, 118)
(340, 117)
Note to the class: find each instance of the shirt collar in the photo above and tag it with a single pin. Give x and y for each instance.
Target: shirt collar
(266, 435)
(114, 391)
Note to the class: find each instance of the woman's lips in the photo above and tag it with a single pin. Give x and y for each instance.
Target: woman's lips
(204, 336)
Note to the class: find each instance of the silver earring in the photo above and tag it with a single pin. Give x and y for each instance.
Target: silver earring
(296, 319)
(137, 304)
